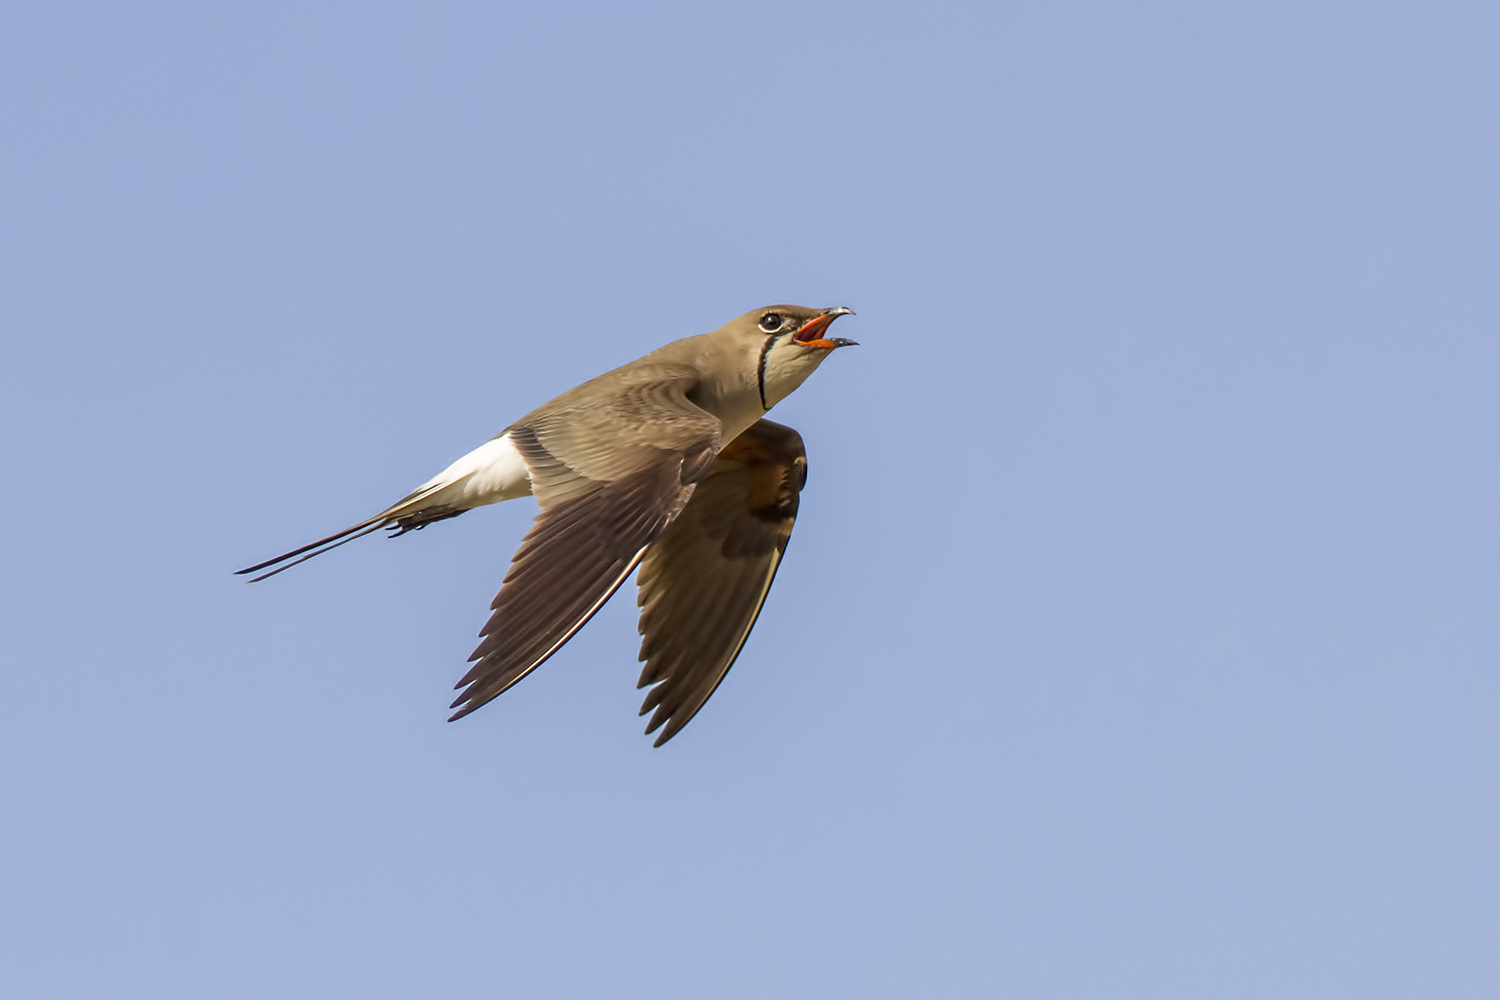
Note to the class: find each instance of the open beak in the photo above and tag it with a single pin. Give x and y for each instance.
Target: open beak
(811, 334)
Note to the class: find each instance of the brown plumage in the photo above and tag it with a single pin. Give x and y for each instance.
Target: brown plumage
(703, 584)
(664, 463)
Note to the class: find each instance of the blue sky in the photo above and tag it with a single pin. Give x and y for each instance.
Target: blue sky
(1138, 637)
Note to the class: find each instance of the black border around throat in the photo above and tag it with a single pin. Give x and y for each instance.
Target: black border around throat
(760, 375)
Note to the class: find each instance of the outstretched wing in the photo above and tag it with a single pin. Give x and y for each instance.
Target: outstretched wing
(611, 463)
(703, 584)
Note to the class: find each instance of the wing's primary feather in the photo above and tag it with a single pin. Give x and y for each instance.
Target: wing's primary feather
(703, 584)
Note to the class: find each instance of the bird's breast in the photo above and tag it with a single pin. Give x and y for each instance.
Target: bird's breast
(737, 412)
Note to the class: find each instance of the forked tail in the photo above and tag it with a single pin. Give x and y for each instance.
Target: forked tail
(316, 548)
(407, 514)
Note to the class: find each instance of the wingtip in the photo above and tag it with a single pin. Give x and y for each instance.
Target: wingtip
(666, 735)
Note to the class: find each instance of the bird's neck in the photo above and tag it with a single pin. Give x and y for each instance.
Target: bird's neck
(735, 400)
(730, 389)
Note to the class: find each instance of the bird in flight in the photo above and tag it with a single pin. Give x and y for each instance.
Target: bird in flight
(666, 463)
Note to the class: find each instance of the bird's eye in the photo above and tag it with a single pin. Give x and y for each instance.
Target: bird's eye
(771, 322)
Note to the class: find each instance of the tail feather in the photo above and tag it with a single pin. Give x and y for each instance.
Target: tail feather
(315, 549)
(398, 511)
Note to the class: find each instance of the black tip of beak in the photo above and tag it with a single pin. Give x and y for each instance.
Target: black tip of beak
(843, 342)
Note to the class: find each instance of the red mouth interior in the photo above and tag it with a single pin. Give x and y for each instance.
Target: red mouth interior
(812, 329)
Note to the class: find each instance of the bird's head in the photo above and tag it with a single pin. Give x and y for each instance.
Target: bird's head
(787, 343)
